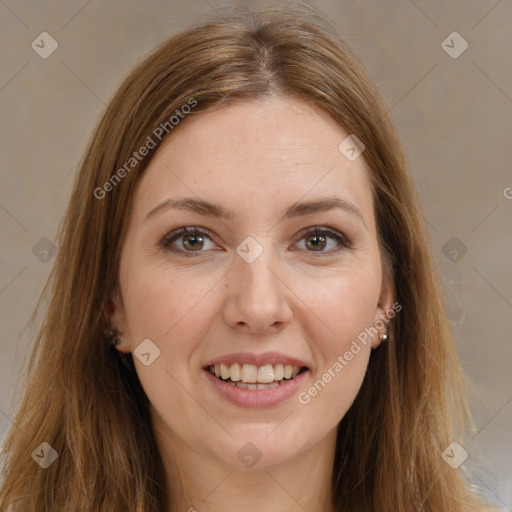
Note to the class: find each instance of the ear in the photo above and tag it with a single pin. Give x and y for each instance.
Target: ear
(117, 319)
(386, 307)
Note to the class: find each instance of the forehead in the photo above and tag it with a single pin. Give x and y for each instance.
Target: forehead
(255, 155)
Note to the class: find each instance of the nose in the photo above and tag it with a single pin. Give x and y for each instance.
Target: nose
(258, 298)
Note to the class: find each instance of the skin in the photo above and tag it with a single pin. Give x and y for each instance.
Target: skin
(256, 158)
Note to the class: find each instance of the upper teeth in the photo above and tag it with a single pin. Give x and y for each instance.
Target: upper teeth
(251, 373)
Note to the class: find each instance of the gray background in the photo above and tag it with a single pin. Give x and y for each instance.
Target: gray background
(453, 115)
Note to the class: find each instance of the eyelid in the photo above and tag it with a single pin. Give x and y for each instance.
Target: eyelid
(328, 230)
(175, 234)
(343, 240)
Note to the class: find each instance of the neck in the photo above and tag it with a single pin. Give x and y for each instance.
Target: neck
(199, 483)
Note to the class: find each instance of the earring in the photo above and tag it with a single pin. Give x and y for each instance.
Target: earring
(112, 336)
(383, 337)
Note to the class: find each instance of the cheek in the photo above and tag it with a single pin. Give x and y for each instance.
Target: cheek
(342, 345)
(176, 308)
(342, 353)
(171, 309)
(175, 313)
(344, 306)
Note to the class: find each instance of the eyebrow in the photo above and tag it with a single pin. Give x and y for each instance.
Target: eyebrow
(207, 208)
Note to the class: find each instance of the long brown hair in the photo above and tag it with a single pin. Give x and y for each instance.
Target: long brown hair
(84, 398)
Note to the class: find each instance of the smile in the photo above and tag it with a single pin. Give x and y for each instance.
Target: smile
(251, 376)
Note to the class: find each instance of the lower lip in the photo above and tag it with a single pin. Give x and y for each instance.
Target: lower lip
(256, 398)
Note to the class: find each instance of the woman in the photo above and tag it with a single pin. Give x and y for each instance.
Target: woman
(243, 313)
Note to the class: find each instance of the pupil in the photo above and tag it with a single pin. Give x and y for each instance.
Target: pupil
(317, 244)
(194, 238)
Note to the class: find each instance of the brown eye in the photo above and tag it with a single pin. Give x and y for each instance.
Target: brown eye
(318, 239)
(187, 241)
(193, 242)
(190, 241)
(316, 242)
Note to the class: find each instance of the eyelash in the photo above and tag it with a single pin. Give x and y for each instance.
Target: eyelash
(327, 231)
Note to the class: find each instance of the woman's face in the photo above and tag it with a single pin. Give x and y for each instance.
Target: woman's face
(251, 286)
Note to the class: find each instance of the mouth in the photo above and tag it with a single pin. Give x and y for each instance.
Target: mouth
(253, 377)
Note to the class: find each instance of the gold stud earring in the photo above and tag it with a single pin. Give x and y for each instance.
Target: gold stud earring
(383, 337)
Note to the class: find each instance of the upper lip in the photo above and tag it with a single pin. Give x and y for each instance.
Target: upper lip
(256, 359)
